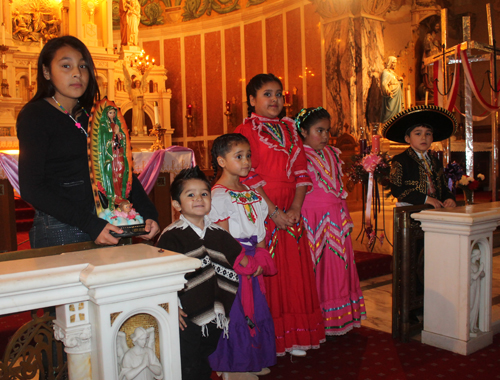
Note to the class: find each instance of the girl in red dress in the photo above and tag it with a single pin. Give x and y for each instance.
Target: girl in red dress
(279, 173)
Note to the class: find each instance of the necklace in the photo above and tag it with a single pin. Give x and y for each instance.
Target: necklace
(77, 124)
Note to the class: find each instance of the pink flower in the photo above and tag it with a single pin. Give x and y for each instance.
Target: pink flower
(370, 162)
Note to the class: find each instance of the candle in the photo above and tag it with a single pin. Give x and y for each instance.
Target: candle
(29, 74)
(362, 146)
(3, 34)
(375, 144)
(190, 110)
(439, 155)
(157, 113)
(287, 97)
(426, 97)
(228, 106)
(408, 96)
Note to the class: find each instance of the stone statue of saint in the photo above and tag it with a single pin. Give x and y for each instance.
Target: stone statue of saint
(391, 86)
(130, 15)
(476, 274)
(136, 89)
(140, 361)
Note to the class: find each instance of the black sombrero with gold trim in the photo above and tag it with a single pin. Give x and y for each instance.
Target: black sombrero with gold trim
(441, 120)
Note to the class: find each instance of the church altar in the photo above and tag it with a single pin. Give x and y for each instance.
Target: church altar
(97, 293)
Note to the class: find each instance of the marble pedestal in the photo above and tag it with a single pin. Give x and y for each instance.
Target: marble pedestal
(450, 237)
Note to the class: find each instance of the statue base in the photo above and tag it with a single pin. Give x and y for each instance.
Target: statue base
(130, 230)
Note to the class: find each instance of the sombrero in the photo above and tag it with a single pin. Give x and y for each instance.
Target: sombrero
(441, 120)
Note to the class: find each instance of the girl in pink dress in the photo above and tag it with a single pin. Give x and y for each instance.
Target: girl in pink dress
(279, 173)
(329, 225)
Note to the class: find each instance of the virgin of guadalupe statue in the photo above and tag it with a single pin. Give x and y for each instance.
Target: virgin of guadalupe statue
(114, 164)
(111, 156)
(140, 361)
(391, 86)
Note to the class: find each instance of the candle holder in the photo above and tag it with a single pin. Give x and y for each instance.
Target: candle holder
(159, 132)
(190, 124)
(288, 109)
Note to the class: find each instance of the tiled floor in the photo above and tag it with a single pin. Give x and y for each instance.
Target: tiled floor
(378, 291)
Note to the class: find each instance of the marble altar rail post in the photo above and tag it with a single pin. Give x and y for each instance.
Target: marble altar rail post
(458, 276)
(95, 292)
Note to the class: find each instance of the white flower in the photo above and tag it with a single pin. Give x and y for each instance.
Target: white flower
(480, 177)
(464, 181)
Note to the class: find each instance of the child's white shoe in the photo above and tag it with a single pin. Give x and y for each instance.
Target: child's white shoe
(298, 353)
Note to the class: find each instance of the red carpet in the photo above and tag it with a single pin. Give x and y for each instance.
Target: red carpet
(366, 354)
(370, 264)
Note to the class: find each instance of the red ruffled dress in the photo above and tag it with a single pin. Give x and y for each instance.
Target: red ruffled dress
(279, 166)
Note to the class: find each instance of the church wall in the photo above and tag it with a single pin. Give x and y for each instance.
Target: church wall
(172, 61)
(314, 79)
(233, 75)
(210, 62)
(213, 69)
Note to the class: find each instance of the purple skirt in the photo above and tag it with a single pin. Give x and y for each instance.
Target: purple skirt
(241, 352)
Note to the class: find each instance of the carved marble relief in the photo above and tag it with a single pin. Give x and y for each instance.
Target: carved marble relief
(35, 21)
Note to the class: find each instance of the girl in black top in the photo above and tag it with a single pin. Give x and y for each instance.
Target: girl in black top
(53, 163)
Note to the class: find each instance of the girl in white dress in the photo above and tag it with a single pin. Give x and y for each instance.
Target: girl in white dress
(250, 348)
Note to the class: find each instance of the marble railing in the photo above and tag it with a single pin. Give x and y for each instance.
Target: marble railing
(96, 293)
(458, 276)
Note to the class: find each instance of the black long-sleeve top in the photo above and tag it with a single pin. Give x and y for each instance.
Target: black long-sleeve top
(54, 169)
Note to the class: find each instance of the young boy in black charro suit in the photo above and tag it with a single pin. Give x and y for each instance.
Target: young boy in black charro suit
(416, 176)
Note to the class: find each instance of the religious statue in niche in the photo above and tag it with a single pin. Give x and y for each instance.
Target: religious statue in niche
(139, 362)
(136, 89)
(111, 168)
(130, 15)
(391, 86)
(431, 47)
(476, 274)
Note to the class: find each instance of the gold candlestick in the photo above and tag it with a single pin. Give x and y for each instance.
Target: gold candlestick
(159, 132)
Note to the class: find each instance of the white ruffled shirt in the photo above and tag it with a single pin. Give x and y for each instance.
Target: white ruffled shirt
(244, 210)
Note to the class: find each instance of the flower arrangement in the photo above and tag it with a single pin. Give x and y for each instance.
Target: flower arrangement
(363, 165)
(468, 185)
(453, 173)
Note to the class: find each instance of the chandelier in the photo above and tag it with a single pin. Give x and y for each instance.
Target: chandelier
(141, 62)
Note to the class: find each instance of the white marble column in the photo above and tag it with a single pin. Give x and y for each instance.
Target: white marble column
(458, 245)
(72, 327)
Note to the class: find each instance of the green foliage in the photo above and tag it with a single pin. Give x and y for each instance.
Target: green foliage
(153, 15)
(194, 9)
(254, 2)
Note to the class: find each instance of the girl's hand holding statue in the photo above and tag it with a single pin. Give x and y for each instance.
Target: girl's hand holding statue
(152, 227)
(105, 238)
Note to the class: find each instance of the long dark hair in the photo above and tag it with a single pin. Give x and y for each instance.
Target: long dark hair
(256, 84)
(46, 89)
(307, 117)
(222, 145)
